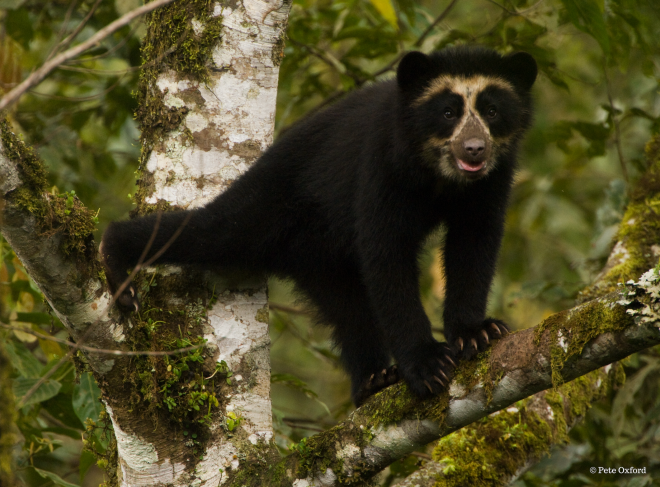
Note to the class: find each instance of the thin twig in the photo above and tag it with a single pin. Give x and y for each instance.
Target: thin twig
(437, 20)
(38, 75)
(45, 377)
(69, 39)
(330, 60)
(420, 40)
(81, 98)
(615, 121)
(103, 351)
(114, 48)
(287, 309)
(102, 72)
(160, 252)
(60, 34)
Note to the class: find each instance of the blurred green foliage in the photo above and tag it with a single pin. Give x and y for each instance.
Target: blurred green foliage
(597, 100)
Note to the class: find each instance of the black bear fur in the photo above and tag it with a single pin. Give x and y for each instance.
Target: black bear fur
(342, 203)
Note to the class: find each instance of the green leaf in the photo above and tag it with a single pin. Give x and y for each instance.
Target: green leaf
(36, 318)
(56, 479)
(48, 389)
(61, 408)
(386, 9)
(23, 361)
(87, 459)
(587, 16)
(294, 382)
(86, 398)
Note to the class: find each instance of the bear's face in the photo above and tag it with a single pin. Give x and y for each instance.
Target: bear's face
(465, 117)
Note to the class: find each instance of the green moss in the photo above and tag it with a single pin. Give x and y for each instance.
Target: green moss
(183, 390)
(570, 331)
(171, 44)
(389, 406)
(492, 449)
(55, 214)
(32, 171)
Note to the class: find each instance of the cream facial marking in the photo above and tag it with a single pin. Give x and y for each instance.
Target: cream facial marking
(466, 87)
(471, 129)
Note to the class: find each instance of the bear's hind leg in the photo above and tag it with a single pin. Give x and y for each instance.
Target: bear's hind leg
(342, 302)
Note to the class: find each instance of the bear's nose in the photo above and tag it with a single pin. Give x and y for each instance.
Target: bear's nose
(474, 146)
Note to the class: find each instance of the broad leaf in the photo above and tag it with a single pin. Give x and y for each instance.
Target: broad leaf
(86, 398)
(23, 360)
(48, 389)
(587, 16)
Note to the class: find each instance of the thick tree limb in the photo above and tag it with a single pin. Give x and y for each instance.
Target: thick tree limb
(393, 424)
(498, 449)
(69, 283)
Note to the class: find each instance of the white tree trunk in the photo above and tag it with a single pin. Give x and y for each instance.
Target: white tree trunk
(231, 119)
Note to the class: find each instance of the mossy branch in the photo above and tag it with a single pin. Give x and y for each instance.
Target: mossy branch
(496, 449)
(52, 236)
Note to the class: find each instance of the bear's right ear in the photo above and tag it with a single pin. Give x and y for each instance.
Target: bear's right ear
(414, 69)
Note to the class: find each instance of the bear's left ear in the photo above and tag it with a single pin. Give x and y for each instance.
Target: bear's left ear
(521, 67)
(415, 68)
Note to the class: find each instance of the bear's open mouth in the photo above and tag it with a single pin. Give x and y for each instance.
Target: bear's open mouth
(471, 166)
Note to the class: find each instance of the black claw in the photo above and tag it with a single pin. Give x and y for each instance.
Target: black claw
(474, 343)
(438, 381)
(485, 335)
(429, 386)
(444, 375)
(496, 328)
(460, 343)
(450, 360)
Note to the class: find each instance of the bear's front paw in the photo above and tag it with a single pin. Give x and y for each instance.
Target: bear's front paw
(472, 340)
(428, 368)
(127, 300)
(374, 383)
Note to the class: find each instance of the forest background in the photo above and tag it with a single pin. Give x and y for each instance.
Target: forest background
(597, 105)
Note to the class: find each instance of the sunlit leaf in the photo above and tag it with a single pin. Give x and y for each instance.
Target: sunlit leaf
(386, 9)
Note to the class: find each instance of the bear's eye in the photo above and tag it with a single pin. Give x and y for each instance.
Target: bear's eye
(492, 112)
(449, 114)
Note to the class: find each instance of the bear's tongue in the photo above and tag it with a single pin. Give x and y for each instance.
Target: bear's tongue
(472, 167)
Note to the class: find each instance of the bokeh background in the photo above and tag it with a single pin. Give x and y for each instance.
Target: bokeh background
(597, 104)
